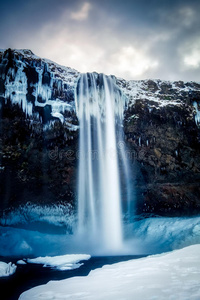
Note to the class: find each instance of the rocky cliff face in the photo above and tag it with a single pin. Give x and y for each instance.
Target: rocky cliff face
(162, 129)
(39, 137)
(38, 130)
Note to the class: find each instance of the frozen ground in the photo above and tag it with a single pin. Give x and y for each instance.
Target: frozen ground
(174, 275)
(146, 236)
(7, 269)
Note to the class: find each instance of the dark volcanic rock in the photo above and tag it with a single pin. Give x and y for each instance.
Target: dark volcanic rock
(165, 141)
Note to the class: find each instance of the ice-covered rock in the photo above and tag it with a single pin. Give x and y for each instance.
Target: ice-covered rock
(33, 83)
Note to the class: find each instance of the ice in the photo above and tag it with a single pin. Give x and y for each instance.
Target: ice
(62, 262)
(174, 275)
(197, 115)
(16, 87)
(7, 269)
(42, 90)
(164, 234)
(58, 215)
(59, 116)
(71, 127)
(61, 76)
(147, 236)
(16, 90)
(24, 243)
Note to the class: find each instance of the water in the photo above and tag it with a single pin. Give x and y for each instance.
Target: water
(100, 106)
(31, 275)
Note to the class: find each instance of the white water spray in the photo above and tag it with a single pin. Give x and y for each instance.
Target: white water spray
(100, 107)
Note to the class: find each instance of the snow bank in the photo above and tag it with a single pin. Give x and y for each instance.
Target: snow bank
(62, 262)
(7, 269)
(174, 275)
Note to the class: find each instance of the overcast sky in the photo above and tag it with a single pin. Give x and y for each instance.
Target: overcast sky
(133, 39)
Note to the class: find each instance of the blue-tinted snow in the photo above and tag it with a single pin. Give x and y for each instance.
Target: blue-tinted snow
(7, 269)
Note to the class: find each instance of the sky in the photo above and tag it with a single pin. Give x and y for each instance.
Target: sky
(132, 39)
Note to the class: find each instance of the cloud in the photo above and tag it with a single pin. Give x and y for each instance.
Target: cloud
(83, 13)
(131, 39)
(132, 62)
(187, 15)
(191, 54)
(192, 60)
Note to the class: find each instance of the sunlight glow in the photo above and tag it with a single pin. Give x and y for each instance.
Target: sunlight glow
(133, 61)
(193, 59)
(83, 13)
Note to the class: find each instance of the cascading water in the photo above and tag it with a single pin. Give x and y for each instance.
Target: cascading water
(100, 107)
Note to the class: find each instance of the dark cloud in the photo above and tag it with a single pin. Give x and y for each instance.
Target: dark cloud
(130, 38)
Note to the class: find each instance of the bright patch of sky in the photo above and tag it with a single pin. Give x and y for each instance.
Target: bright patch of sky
(81, 14)
(136, 39)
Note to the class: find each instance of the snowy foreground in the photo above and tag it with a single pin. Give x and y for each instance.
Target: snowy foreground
(7, 269)
(174, 275)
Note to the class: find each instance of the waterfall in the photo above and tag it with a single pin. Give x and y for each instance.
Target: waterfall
(100, 108)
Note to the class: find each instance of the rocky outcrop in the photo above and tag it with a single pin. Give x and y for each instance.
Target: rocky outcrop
(39, 137)
(38, 130)
(164, 137)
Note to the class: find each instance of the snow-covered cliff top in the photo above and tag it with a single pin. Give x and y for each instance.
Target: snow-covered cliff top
(33, 83)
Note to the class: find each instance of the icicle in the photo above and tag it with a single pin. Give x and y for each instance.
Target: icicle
(197, 116)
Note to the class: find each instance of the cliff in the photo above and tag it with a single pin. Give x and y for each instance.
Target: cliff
(38, 130)
(39, 137)
(162, 129)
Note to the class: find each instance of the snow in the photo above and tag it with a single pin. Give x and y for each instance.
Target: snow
(158, 98)
(21, 262)
(59, 116)
(174, 275)
(71, 127)
(158, 93)
(62, 262)
(7, 269)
